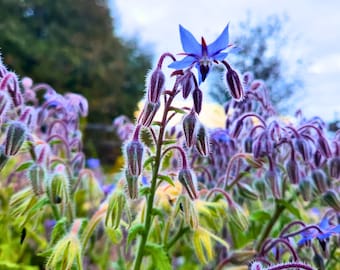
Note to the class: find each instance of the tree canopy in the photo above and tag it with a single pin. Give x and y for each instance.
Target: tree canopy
(70, 44)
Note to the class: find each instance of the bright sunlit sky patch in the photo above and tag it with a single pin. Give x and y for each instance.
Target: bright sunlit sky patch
(315, 23)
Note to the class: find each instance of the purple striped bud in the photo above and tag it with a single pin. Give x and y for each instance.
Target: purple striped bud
(334, 167)
(305, 188)
(156, 85)
(4, 103)
(320, 180)
(134, 156)
(197, 98)
(36, 175)
(323, 147)
(303, 148)
(16, 135)
(274, 183)
(188, 83)
(248, 145)
(132, 184)
(28, 117)
(190, 125)
(149, 111)
(188, 179)
(235, 85)
(237, 129)
(202, 142)
(3, 157)
(331, 198)
(317, 158)
(292, 168)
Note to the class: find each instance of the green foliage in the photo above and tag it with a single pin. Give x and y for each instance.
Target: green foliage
(70, 44)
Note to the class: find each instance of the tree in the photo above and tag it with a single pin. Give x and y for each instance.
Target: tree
(260, 53)
(70, 44)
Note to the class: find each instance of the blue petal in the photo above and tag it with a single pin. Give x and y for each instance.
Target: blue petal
(185, 62)
(324, 224)
(220, 56)
(189, 43)
(220, 43)
(335, 229)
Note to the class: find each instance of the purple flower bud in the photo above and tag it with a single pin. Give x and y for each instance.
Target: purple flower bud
(190, 125)
(132, 184)
(274, 183)
(305, 188)
(188, 83)
(292, 168)
(332, 199)
(248, 77)
(28, 116)
(3, 157)
(188, 179)
(134, 156)
(4, 103)
(237, 128)
(334, 167)
(235, 85)
(323, 147)
(248, 145)
(197, 98)
(320, 180)
(202, 142)
(36, 175)
(303, 148)
(317, 158)
(16, 135)
(156, 85)
(149, 111)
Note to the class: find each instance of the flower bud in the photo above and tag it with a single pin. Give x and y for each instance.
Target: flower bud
(331, 198)
(149, 111)
(190, 125)
(323, 147)
(36, 175)
(132, 184)
(247, 192)
(261, 187)
(237, 129)
(303, 148)
(248, 77)
(292, 168)
(188, 83)
(134, 156)
(274, 183)
(115, 208)
(3, 157)
(320, 180)
(305, 188)
(58, 188)
(4, 103)
(319, 261)
(202, 142)
(334, 167)
(317, 158)
(248, 145)
(197, 98)
(190, 214)
(189, 181)
(16, 135)
(235, 85)
(28, 117)
(156, 85)
(237, 217)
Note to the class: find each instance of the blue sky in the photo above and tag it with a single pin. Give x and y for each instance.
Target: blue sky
(315, 24)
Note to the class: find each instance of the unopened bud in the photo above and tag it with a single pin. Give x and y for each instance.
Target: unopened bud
(197, 98)
(261, 188)
(331, 198)
(190, 125)
(293, 172)
(16, 135)
(237, 129)
(320, 180)
(3, 157)
(115, 208)
(248, 145)
(235, 85)
(59, 186)
(248, 77)
(323, 147)
(334, 167)
(319, 261)
(188, 83)
(156, 85)
(237, 217)
(274, 183)
(190, 214)
(317, 158)
(188, 179)
(202, 142)
(28, 116)
(134, 156)
(4, 103)
(303, 148)
(132, 185)
(306, 189)
(247, 192)
(149, 111)
(36, 175)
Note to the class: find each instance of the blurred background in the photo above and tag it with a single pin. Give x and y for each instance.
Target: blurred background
(103, 50)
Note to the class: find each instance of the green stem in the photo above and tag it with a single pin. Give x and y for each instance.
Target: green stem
(179, 234)
(55, 211)
(277, 212)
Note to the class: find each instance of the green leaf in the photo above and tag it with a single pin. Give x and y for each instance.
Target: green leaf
(115, 235)
(166, 178)
(134, 231)
(148, 161)
(146, 137)
(260, 215)
(143, 191)
(159, 256)
(177, 110)
(291, 208)
(165, 142)
(25, 165)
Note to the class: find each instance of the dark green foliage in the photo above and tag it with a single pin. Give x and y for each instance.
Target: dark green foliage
(70, 44)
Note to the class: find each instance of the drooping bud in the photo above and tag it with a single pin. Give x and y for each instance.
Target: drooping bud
(317, 158)
(331, 198)
(293, 172)
(248, 145)
(58, 188)
(28, 116)
(188, 82)
(190, 125)
(274, 183)
(306, 189)
(16, 135)
(235, 85)
(3, 157)
(320, 180)
(197, 98)
(303, 148)
(323, 147)
(188, 179)
(132, 184)
(190, 213)
(156, 85)
(149, 111)
(36, 175)
(237, 217)
(4, 103)
(334, 167)
(261, 187)
(237, 128)
(134, 156)
(319, 261)
(202, 141)
(115, 209)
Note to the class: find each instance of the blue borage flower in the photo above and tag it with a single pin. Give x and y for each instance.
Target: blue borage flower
(202, 55)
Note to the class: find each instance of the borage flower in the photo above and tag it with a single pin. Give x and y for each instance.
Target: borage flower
(202, 55)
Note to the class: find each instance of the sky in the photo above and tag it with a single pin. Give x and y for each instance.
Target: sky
(313, 25)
